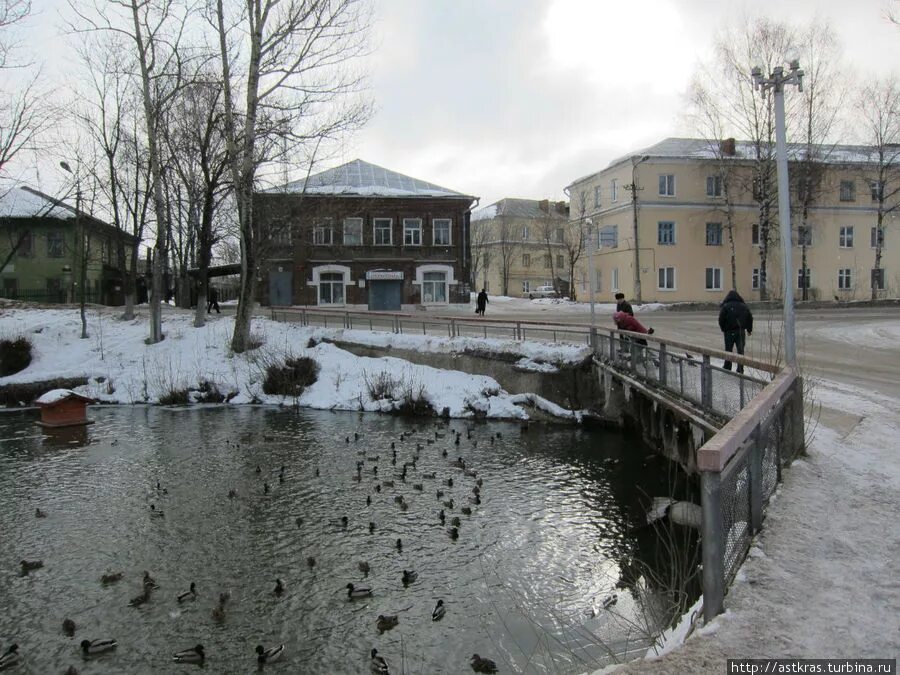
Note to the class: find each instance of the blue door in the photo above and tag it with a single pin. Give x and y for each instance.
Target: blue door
(280, 284)
(385, 295)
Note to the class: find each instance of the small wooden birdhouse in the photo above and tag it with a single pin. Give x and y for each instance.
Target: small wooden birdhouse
(63, 408)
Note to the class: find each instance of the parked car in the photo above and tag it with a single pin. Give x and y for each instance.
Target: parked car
(543, 292)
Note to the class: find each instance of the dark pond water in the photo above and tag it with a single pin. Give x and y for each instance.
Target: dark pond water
(549, 540)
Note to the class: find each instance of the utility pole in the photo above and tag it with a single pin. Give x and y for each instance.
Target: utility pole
(634, 189)
(80, 247)
(591, 274)
(776, 82)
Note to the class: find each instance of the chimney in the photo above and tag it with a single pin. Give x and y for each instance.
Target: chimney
(727, 146)
(544, 205)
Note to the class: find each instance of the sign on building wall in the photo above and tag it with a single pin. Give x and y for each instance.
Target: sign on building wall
(384, 275)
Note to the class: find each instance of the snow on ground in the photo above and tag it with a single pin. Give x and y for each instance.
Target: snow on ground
(876, 335)
(123, 369)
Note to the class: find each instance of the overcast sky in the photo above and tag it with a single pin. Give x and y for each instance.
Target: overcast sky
(518, 98)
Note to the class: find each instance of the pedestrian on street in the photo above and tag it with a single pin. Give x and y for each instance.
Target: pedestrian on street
(736, 322)
(481, 302)
(628, 322)
(622, 305)
(213, 300)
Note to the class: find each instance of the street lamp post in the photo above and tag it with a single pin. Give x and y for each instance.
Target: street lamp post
(591, 283)
(776, 82)
(633, 188)
(80, 240)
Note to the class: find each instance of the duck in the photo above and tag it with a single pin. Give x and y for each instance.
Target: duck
(149, 582)
(156, 513)
(218, 613)
(299, 521)
(265, 488)
(363, 567)
(439, 493)
(268, 655)
(40, 514)
(192, 655)
(111, 578)
(439, 610)
(317, 472)
(460, 463)
(441, 516)
(344, 521)
(189, 594)
(455, 522)
(368, 500)
(399, 544)
(258, 469)
(409, 576)
(371, 527)
(479, 482)
(471, 473)
(404, 506)
(398, 499)
(453, 532)
(476, 499)
(466, 511)
(378, 664)
(444, 452)
(418, 486)
(311, 562)
(68, 627)
(482, 665)
(449, 503)
(386, 622)
(92, 647)
(12, 657)
(353, 593)
(31, 565)
(449, 482)
(232, 493)
(279, 587)
(72, 670)
(139, 600)
(430, 476)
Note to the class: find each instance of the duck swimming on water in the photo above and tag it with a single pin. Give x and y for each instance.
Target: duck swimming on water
(353, 592)
(439, 611)
(189, 594)
(192, 655)
(268, 655)
(92, 647)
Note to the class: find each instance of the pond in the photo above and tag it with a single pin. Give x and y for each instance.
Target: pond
(523, 584)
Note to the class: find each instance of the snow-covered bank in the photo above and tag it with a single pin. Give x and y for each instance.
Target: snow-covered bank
(122, 368)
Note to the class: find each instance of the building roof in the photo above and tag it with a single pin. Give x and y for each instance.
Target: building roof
(519, 208)
(362, 179)
(21, 201)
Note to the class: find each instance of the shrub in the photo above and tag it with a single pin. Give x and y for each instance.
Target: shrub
(208, 392)
(175, 397)
(381, 386)
(292, 378)
(414, 402)
(15, 355)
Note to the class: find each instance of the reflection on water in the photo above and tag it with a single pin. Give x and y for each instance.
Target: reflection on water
(523, 584)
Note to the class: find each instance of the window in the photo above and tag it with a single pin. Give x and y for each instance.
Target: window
(714, 234)
(848, 191)
(560, 235)
(666, 230)
(754, 280)
(382, 230)
(714, 186)
(548, 262)
(755, 234)
(597, 197)
(846, 236)
(331, 288)
(26, 248)
(804, 280)
(804, 236)
(614, 279)
(526, 287)
(526, 260)
(877, 189)
(560, 261)
(412, 231)
(598, 281)
(667, 278)
(441, 231)
(280, 233)
(524, 233)
(353, 231)
(323, 233)
(609, 236)
(845, 279)
(667, 185)
(55, 245)
(714, 278)
(876, 239)
(877, 279)
(614, 189)
(434, 287)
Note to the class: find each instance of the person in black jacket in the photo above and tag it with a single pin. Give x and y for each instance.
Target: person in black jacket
(622, 305)
(481, 302)
(736, 322)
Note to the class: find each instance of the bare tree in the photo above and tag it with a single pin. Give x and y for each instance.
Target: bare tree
(507, 243)
(879, 109)
(481, 255)
(551, 232)
(295, 55)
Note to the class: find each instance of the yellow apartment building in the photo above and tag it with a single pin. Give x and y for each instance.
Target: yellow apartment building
(672, 210)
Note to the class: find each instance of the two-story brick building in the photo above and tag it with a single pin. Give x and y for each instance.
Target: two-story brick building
(363, 234)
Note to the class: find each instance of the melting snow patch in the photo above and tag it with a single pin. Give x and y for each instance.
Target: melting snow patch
(536, 366)
(756, 552)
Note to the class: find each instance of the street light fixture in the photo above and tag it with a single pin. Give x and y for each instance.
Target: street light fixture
(776, 82)
(633, 188)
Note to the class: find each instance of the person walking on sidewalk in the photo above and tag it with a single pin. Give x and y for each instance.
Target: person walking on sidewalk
(736, 322)
(213, 301)
(481, 302)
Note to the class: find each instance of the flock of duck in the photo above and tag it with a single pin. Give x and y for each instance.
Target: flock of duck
(378, 664)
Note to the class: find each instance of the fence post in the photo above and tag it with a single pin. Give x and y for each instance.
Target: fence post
(519, 335)
(756, 484)
(713, 545)
(593, 340)
(794, 407)
(347, 320)
(706, 382)
(452, 328)
(663, 378)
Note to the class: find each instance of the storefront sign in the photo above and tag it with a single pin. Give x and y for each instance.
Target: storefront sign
(384, 275)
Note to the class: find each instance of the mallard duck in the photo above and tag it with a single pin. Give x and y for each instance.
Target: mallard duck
(111, 578)
(440, 494)
(482, 665)
(192, 655)
(218, 613)
(299, 521)
(441, 516)
(404, 506)
(455, 521)
(371, 527)
(453, 532)
(149, 582)
(387, 483)
(317, 472)
(444, 452)
(311, 562)
(471, 473)
(353, 593)
(449, 482)
(418, 486)
(448, 504)
(476, 499)
(409, 576)
(31, 565)
(430, 476)
(69, 627)
(155, 512)
(399, 544)
(11, 657)
(439, 611)
(363, 567)
(460, 463)
(466, 511)
(279, 587)
(265, 488)
(92, 647)
(344, 521)
(368, 500)
(258, 469)
(189, 594)
(139, 600)
(499, 435)
(268, 655)
(456, 442)
(398, 499)
(479, 482)
(40, 514)
(386, 622)
(71, 670)
(378, 664)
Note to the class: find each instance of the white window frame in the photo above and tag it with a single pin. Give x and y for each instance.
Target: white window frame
(719, 231)
(667, 185)
(614, 189)
(390, 231)
(660, 271)
(845, 236)
(323, 233)
(347, 223)
(716, 272)
(597, 196)
(560, 234)
(800, 278)
(524, 233)
(526, 286)
(412, 232)
(876, 188)
(526, 260)
(449, 280)
(754, 279)
(714, 186)
(598, 281)
(608, 236)
(845, 279)
(316, 282)
(560, 261)
(435, 230)
(872, 274)
(659, 240)
(851, 191)
(614, 279)
(872, 240)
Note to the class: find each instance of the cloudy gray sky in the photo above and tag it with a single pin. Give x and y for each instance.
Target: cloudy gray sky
(517, 98)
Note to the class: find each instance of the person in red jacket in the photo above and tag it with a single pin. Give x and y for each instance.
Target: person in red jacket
(627, 322)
